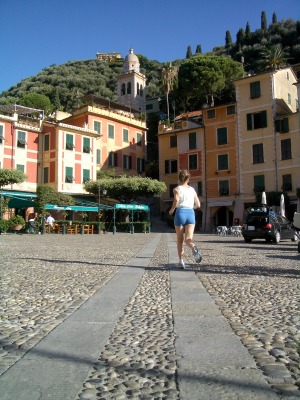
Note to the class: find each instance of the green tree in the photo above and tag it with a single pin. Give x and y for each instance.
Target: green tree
(273, 58)
(263, 21)
(274, 18)
(36, 100)
(228, 39)
(9, 177)
(127, 188)
(248, 32)
(169, 77)
(208, 75)
(240, 37)
(198, 49)
(189, 53)
(47, 195)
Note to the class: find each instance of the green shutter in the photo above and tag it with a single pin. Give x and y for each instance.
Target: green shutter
(249, 122)
(86, 175)
(264, 119)
(285, 125)
(69, 174)
(98, 156)
(192, 141)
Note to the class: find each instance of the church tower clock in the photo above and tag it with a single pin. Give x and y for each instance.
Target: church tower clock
(131, 84)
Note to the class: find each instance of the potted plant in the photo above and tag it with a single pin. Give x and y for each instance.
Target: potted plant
(16, 222)
(4, 225)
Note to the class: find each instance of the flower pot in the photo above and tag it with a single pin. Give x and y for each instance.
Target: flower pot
(17, 227)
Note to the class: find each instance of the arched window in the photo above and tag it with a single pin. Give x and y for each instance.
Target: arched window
(141, 90)
(129, 88)
(123, 89)
(137, 88)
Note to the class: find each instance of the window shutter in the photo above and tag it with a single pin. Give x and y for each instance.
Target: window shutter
(130, 162)
(115, 159)
(264, 119)
(285, 125)
(167, 167)
(249, 122)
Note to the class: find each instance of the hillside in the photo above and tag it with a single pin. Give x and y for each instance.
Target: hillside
(65, 84)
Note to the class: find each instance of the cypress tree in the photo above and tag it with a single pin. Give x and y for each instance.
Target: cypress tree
(189, 53)
(228, 40)
(198, 49)
(274, 18)
(264, 26)
(248, 31)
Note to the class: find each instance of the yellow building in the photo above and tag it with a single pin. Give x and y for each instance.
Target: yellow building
(268, 135)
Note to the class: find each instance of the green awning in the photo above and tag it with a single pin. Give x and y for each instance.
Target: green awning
(19, 199)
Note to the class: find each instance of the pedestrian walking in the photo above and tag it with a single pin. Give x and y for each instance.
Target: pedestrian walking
(185, 202)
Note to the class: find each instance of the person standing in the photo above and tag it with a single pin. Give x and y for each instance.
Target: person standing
(185, 201)
(50, 220)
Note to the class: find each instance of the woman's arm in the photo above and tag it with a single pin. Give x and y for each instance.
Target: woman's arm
(175, 201)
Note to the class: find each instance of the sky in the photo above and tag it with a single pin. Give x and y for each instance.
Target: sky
(38, 33)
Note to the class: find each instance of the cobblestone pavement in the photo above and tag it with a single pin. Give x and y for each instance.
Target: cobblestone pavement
(45, 278)
(257, 288)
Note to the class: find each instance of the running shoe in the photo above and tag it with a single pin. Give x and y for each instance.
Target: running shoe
(181, 264)
(197, 255)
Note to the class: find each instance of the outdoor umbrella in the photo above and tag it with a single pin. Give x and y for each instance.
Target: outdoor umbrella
(263, 198)
(282, 206)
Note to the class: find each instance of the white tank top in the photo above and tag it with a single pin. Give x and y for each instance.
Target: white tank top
(186, 197)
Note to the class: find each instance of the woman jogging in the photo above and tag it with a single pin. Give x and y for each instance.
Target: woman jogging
(185, 201)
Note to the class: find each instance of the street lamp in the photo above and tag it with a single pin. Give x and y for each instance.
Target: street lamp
(104, 191)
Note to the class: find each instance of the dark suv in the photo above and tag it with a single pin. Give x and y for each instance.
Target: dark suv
(263, 223)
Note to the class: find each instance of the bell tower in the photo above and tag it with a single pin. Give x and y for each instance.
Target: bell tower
(131, 84)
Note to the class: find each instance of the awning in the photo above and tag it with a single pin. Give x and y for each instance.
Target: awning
(19, 199)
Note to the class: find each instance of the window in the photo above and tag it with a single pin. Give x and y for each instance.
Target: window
(222, 162)
(98, 156)
(200, 189)
(141, 90)
(69, 142)
(140, 165)
(129, 88)
(69, 175)
(257, 120)
(282, 125)
(193, 161)
(255, 90)
(259, 183)
(286, 149)
(222, 136)
(111, 131)
(21, 142)
(85, 175)
(139, 139)
(46, 142)
(127, 162)
(1, 134)
(211, 114)
(86, 145)
(230, 110)
(20, 167)
(223, 188)
(138, 88)
(112, 159)
(171, 188)
(289, 98)
(170, 166)
(258, 153)
(123, 89)
(97, 126)
(173, 141)
(286, 182)
(125, 135)
(192, 141)
(46, 175)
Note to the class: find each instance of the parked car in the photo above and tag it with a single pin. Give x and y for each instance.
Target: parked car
(263, 223)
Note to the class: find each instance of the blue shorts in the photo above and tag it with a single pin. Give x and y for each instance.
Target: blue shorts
(184, 216)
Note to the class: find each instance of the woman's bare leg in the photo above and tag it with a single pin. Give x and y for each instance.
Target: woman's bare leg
(180, 238)
(189, 233)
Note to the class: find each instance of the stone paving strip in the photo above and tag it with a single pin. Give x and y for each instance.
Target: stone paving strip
(257, 288)
(45, 278)
(139, 362)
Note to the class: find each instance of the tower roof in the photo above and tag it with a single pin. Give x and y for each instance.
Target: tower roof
(131, 62)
